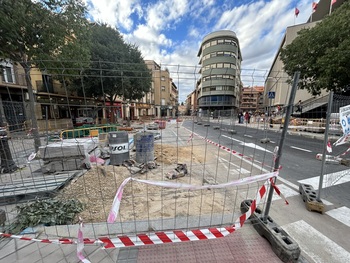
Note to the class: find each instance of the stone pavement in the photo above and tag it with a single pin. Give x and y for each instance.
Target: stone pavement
(244, 245)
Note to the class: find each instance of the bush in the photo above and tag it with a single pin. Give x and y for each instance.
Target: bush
(48, 212)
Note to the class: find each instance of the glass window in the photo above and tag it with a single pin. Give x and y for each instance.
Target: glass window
(7, 74)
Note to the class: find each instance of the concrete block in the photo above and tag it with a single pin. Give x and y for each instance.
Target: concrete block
(216, 127)
(62, 165)
(309, 195)
(281, 243)
(232, 132)
(206, 124)
(78, 147)
(265, 140)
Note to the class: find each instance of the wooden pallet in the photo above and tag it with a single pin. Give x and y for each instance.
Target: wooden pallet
(37, 186)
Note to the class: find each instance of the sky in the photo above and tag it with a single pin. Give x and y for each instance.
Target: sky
(170, 31)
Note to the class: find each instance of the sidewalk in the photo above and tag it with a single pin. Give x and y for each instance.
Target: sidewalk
(244, 245)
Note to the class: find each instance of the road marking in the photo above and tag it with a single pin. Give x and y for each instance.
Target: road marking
(316, 245)
(239, 169)
(252, 145)
(246, 135)
(341, 214)
(300, 149)
(328, 179)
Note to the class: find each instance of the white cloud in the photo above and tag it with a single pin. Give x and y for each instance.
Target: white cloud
(154, 26)
(114, 12)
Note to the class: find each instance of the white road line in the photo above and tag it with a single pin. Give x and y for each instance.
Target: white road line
(239, 169)
(328, 179)
(300, 149)
(246, 135)
(341, 214)
(316, 245)
(252, 145)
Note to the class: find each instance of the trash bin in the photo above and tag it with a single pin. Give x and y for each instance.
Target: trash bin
(118, 147)
(144, 143)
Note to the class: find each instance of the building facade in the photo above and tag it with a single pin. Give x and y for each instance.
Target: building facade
(164, 92)
(277, 79)
(220, 83)
(252, 99)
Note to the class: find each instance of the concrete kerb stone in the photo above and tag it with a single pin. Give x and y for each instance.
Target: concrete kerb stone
(281, 243)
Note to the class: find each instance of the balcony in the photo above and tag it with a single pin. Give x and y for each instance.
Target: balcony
(55, 88)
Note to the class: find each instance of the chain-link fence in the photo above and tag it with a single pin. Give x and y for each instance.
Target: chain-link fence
(136, 171)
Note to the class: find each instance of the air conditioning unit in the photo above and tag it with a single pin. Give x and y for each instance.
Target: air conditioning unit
(26, 96)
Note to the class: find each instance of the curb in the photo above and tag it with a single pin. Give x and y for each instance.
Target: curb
(281, 243)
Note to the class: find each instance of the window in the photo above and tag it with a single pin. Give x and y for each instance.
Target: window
(163, 88)
(163, 78)
(163, 102)
(8, 75)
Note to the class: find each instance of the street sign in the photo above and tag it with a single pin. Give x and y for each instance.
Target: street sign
(271, 94)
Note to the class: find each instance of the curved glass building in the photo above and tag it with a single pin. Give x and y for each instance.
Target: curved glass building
(220, 83)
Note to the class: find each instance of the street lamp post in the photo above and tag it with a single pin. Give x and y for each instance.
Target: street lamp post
(270, 96)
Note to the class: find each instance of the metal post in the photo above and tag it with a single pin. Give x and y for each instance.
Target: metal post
(283, 136)
(328, 117)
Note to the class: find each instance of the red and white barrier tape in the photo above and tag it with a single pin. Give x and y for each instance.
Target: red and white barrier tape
(225, 148)
(80, 243)
(183, 236)
(247, 180)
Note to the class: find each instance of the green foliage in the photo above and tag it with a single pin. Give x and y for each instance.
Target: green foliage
(116, 68)
(43, 31)
(48, 212)
(322, 54)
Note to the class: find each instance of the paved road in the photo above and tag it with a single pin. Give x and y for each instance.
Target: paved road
(323, 238)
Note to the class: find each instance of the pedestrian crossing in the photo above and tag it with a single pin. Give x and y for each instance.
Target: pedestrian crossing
(316, 244)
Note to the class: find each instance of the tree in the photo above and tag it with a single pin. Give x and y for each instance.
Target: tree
(40, 32)
(322, 54)
(116, 70)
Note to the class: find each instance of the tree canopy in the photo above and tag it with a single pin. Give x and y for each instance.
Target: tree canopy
(43, 30)
(322, 54)
(117, 69)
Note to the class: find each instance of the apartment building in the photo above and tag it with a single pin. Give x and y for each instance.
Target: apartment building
(220, 83)
(277, 79)
(13, 89)
(164, 92)
(252, 99)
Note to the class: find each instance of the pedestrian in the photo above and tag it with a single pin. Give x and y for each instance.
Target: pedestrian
(299, 108)
(240, 117)
(246, 117)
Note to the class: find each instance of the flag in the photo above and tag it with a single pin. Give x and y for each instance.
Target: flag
(329, 147)
(333, 2)
(314, 6)
(296, 12)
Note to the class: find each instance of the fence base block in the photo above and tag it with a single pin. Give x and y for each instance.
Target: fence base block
(232, 131)
(281, 243)
(308, 194)
(216, 127)
(265, 140)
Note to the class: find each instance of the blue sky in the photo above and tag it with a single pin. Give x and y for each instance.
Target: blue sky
(170, 31)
